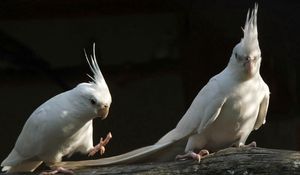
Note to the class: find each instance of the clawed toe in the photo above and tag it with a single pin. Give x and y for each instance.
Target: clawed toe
(189, 155)
(101, 146)
(242, 145)
(252, 144)
(193, 155)
(57, 170)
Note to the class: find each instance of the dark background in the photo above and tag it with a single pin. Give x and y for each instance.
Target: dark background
(155, 56)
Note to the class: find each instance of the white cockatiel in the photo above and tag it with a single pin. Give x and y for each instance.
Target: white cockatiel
(62, 125)
(231, 105)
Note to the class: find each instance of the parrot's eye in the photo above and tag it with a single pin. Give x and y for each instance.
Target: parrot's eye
(93, 101)
(237, 57)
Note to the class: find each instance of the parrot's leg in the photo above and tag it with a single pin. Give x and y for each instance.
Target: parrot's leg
(57, 170)
(101, 146)
(193, 155)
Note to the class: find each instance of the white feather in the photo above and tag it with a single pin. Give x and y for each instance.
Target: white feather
(225, 111)
(98, 77)
(60, 126)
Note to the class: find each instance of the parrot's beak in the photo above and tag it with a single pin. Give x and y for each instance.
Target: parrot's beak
(249, 65)
(103, 111)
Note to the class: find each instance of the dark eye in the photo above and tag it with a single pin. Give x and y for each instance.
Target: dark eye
(93, 101)
(237, 57)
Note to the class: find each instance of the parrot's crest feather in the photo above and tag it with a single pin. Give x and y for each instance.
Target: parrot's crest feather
(98, 77)
(250, 40)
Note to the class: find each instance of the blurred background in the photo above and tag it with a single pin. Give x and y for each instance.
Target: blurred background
(155, 55)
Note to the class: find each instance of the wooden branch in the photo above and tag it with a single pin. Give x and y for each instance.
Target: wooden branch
(231, 161)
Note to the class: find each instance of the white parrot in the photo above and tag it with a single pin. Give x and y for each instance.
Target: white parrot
(62, 125)
(231, 105)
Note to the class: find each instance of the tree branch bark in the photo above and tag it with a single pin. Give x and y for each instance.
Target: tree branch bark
(230, 161)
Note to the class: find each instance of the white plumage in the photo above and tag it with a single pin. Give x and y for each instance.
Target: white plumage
(62, 125)
(231, 105)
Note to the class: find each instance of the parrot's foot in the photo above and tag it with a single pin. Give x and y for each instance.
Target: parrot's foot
(241, 145)
(101, 146)
(57, 170)
(250, 145)
(193, 155)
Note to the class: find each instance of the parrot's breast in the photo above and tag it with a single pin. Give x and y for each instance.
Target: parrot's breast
(235, 121)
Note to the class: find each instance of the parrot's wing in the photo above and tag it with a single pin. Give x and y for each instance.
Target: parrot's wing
(24, 152)
(34, 133)
(203, 111)
(263, 108)
(215, 99)
(157, 152)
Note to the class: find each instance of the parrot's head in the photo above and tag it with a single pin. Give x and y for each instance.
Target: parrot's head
(95, 95)
(246, 55)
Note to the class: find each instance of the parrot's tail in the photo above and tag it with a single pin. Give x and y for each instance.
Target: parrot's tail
(154, 153)
(6, 168)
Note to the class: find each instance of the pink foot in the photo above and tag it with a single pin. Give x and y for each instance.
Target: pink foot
(250, 145)
(101, 146)
(57, 170)
(193, 155)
